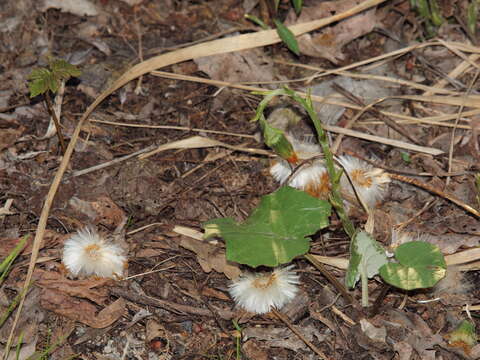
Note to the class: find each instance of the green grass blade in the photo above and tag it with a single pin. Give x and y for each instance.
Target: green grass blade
(287, 37)
(7, 262)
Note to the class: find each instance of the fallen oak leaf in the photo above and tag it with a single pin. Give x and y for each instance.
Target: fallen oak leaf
(82, 310)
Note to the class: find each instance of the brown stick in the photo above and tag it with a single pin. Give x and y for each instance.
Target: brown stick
(438, 192)
(339, 286)
(284, 319)
(53, 114)
(170, 306)
(389, 122)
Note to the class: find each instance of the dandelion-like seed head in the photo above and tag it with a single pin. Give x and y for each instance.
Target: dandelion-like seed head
(86, 253)
(310, 177)
(260, 292)
(305, 149)
(369, 182)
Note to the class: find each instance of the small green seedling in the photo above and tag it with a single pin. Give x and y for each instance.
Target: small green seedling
(477, 186)
(283, 32)
(420, 265)
(366, 258)
(8, 261)
(464, 336)
(406, 157)
(276, 231)
(297, 5)
(44, 81)
(238, 339)
(430, 12)
(472, 16)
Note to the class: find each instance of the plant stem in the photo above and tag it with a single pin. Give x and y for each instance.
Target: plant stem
(334, 174)
(55, 121)
(364, 281)
(285, 320)
(337, 284)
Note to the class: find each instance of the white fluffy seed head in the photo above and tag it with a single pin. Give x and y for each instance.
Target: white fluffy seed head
(259, 292)
(280, 170)
(86, 253)
(370, 183)
(311, 177)
(306, 149)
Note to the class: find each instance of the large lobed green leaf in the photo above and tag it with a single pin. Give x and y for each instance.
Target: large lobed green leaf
(420, 265)
(276, 231)
(366, 257)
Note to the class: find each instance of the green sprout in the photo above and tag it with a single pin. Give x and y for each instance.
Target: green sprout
(44, 81)
(430, 12)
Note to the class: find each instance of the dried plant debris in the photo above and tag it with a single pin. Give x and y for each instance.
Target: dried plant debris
(177, 301)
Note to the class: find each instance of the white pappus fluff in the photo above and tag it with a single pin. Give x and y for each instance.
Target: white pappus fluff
(312, 178)
(86, 253)
(259, 292)
(370, 183)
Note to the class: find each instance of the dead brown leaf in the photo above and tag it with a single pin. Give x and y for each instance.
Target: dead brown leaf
(81, 310)
(254, 350)
(50, 240)
(10, 131)
(211, 257)
(246, 65)
(328, 42)
(100, 211)
(90, 289)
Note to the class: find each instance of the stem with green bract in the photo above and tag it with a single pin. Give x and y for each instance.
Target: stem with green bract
(334, 175)
(335, 193)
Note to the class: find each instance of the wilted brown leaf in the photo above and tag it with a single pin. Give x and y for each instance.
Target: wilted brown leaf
(211, 257)
(328, 42)
(79, 288)
(100, 211)
(10, 131)
(50, 240)
(247, 65)
(81, 310)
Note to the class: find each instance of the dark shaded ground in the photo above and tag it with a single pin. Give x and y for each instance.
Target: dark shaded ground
(178, 308)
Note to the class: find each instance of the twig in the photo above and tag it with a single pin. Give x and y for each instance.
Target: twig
(457, 120)
(337, 284)
(389, 122)
(437, 192)
(284, 319)
(112, 162)
(53, 114)
(170, 306)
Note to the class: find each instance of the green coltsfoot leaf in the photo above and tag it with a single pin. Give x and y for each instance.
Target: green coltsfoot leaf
(276, 231)
(420, 265)
(366, 257)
